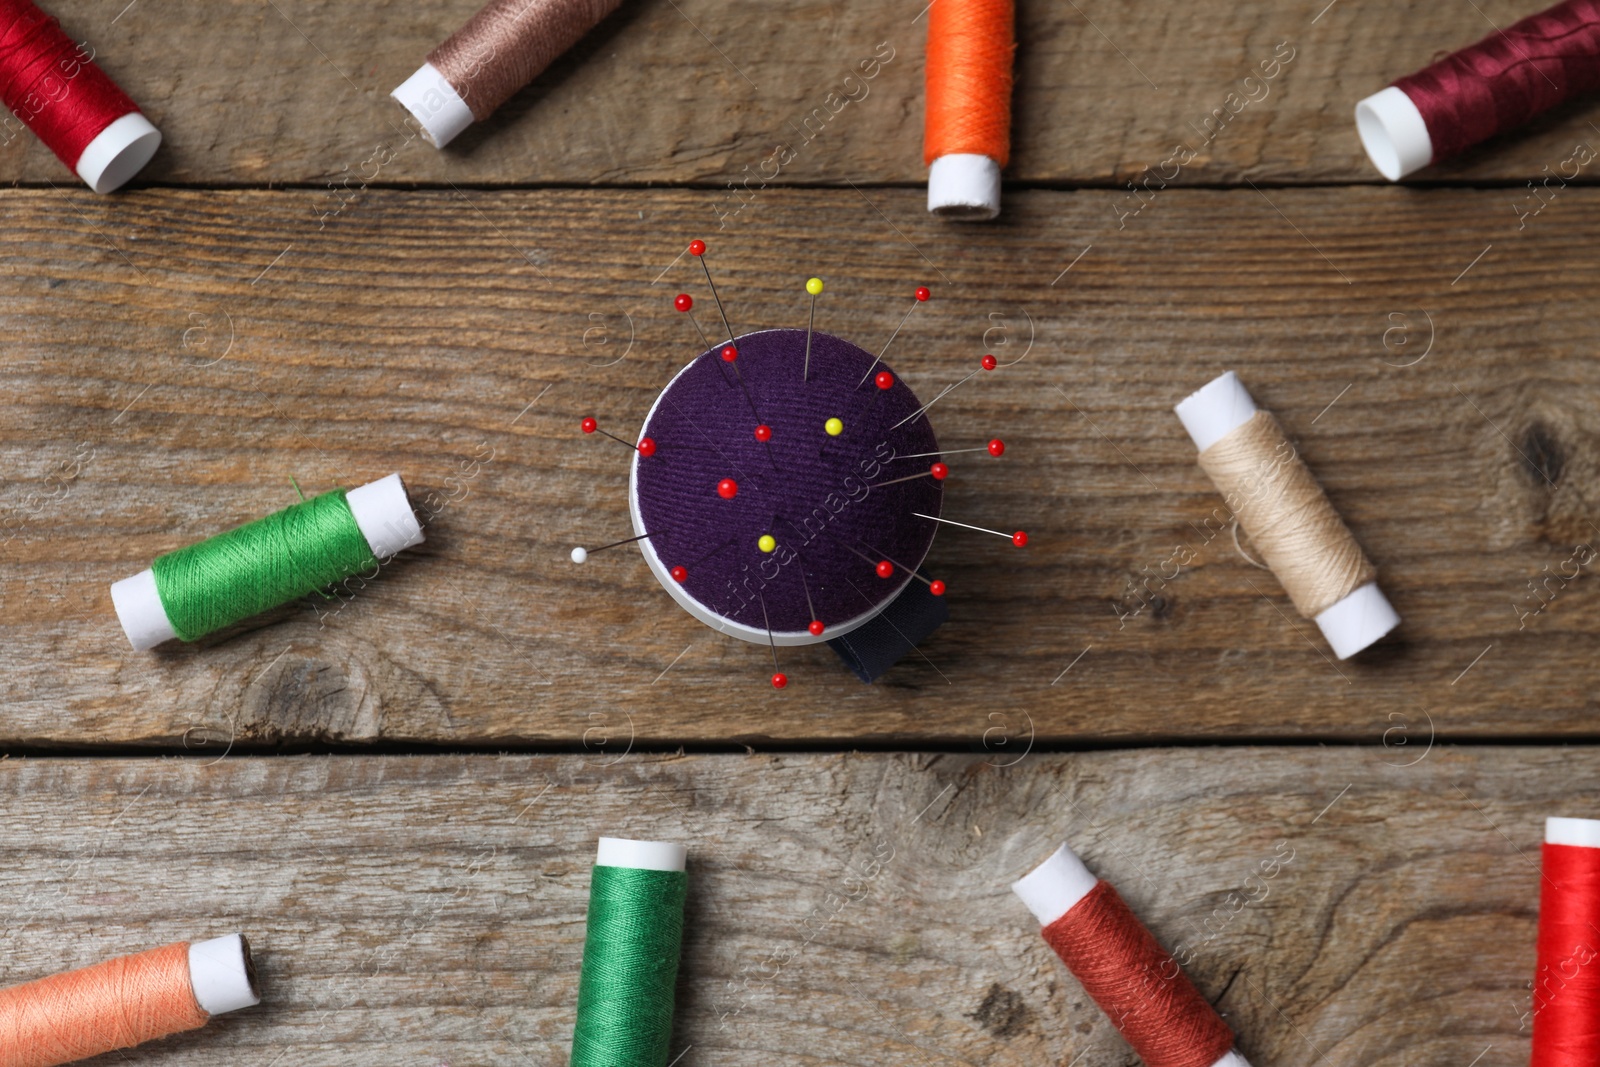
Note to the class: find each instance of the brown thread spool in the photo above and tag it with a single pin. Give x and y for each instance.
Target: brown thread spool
(502, 48)
(1122, 967)
(124, 1002)
(1294, 526)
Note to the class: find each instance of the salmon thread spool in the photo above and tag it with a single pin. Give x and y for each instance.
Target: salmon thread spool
(1489, 88)
(124, 1002)
(967, 121)
(1122, 967)
(68, 102)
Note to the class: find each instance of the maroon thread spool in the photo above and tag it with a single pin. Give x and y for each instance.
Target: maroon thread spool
(1492, 87)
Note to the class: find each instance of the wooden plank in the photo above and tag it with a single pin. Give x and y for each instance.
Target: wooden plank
(175, 357)
(707, 90)
(843, 909)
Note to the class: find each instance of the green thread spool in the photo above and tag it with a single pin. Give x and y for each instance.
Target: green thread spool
(314, 544)
(630, 955)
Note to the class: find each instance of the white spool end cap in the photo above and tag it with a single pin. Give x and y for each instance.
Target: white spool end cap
(140, 611)
(1231, 1058)
(383, 511)
(1216, 409)
(1393, 133)
(118, 152)
(964, 187)
(435, 104)
(640, 855)
(1358, 620)
(222, 975)
(1584, 833)
(1052, 888)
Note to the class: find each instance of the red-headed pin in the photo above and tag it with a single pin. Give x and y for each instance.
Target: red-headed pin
(884, 380)
(646, 447)
(763, 433)
(683, 301)
(727, 489)
(1020, 538)
(680, 575)
(816, 627)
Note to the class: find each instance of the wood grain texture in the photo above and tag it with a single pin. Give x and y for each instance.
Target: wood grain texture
(176, 357)
(705, 90)
(1339, 906)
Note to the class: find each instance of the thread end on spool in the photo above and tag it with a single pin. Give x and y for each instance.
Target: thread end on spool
(1052, 888)
(118, 152)
(139, 609)
(1393, 133)
(435, 104)
(223, 974)
(964, 187)
(1358, 620)
(1584, 833)
(640, 855)
(1216, 409)
(383, 512)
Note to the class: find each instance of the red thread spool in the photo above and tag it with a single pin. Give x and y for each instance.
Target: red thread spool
(1489, 88)
(1566, 981)
(1121, 966)
(68, 102)
(967, 124)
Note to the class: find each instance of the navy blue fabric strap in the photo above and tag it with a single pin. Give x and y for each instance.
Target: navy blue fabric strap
(871, 649)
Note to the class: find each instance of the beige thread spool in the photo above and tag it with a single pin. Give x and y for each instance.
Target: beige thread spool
(502, 48)
(1289, 518)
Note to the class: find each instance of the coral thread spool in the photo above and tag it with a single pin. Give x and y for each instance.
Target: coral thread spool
(379, 513)
(1123, 968)
(502, 48)
(1304, 541)
(630, 954)
(68, 101)
(124, 1002)
(967, 124)
(1488, 88)
(1566, 981)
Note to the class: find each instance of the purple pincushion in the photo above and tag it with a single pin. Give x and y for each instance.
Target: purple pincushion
(811, 492)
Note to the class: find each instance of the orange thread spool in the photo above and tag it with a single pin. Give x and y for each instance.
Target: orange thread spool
(112, 1005)
(967, 124)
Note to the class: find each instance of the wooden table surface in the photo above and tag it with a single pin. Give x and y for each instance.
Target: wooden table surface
(298, 287)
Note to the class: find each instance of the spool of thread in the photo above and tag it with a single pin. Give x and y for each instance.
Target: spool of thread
(125, 1002)
(1494, 86)
(205, 587)
(967, 124)
(1123, 968)
(68, 101)
(502, 48)
(630, 955)
(1290, 520)
(1566, 984)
